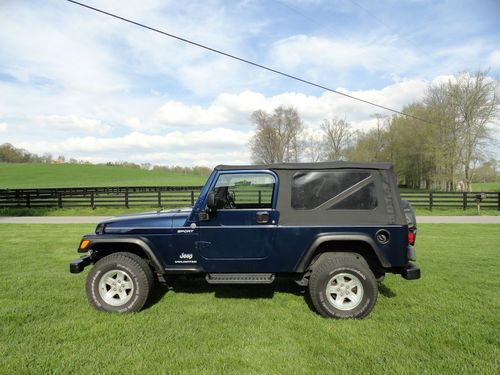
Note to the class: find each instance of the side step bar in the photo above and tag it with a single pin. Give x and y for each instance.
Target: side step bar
(240, 278)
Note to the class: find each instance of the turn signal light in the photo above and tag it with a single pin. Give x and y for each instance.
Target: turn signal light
(84, 244)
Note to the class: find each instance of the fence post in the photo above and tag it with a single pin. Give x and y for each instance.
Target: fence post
(192, 197)
(28, 203)
(92, 205)
(126, 197)
(498, 202)
(159, 198)
(260, 197)
(59, 199)
(465, 200)
(430, 200)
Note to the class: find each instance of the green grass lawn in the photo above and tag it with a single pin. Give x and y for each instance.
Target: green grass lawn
(80, 175)
(454, 212)
(486, 186)
(447, 322)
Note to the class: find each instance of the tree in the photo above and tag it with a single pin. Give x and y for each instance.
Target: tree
(371, 145)
(475, 100)
(277, 137)
(46, 158)
(449, 143)
(410, 148)
(444, 135)
(313, 147)
(11, 154)
(337, 136)
(487, 172)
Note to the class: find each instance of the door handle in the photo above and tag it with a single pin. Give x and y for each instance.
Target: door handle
(262, 217)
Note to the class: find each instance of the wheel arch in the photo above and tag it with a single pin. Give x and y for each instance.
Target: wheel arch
(105, 246)
(359, 243)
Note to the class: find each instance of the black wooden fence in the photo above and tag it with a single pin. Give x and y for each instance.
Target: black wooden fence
(127, 196)
(183, 196)
(464, 200)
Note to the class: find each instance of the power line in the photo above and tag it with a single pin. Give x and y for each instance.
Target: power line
(245, 61)
(336, 30)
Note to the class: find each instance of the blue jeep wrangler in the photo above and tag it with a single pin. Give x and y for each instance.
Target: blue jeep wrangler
(334, 227)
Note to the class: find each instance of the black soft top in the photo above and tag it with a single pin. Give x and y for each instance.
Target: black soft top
(387, 212)
(305, 166)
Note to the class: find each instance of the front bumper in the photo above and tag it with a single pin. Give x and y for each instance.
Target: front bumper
(411, 272)
(78, 265)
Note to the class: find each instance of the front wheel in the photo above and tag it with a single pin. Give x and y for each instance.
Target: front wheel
(342, 286)
(119, 283)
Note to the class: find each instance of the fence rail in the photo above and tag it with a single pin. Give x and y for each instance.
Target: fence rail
(182, 196)
(463, 200)
(123, 196)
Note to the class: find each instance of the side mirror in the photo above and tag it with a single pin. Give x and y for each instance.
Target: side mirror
(211, 201)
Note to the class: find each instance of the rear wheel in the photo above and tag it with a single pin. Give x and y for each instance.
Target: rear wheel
(119, 283)
(342, 286)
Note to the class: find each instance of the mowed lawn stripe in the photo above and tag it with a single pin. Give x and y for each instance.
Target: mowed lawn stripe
(447, 322)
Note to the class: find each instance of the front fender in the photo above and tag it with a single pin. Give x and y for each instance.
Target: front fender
(143, 243)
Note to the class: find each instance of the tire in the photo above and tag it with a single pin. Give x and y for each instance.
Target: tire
(119, 283)
(145, 267)
(342, 286)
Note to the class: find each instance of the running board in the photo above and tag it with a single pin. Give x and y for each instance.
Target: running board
(240, 278)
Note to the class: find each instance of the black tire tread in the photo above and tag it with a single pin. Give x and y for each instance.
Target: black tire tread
(335, 260)
(142, 274)
(144, 265)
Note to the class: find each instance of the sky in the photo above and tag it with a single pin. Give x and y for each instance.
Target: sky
(90, 87)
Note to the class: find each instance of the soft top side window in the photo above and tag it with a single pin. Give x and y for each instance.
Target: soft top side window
(343, 189)
(244, 190)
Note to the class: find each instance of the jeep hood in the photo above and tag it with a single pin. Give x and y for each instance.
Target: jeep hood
(151, 219)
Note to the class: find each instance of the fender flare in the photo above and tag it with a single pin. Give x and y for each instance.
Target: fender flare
(143, 243)
(339, 237)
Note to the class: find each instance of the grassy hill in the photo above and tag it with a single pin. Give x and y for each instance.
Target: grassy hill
(16, 175)
(13, 175)
(486, 186)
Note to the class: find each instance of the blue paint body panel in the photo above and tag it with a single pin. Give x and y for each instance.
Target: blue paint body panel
(233, 240)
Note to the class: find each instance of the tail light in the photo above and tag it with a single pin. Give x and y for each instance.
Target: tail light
(411, 238)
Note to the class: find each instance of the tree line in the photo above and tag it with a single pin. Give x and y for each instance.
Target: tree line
(448, 141)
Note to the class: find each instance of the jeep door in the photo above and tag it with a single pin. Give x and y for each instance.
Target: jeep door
(239, 235)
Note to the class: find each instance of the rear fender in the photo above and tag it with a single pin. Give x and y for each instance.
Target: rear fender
(339, 239)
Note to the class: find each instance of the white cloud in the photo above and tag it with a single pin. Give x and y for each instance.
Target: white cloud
(377, 55)
(321, 55)
(235, 109)
(3, 127)
(180, 114)
(72, 124)
(209, 147)
(494, 61)
(73, 59)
